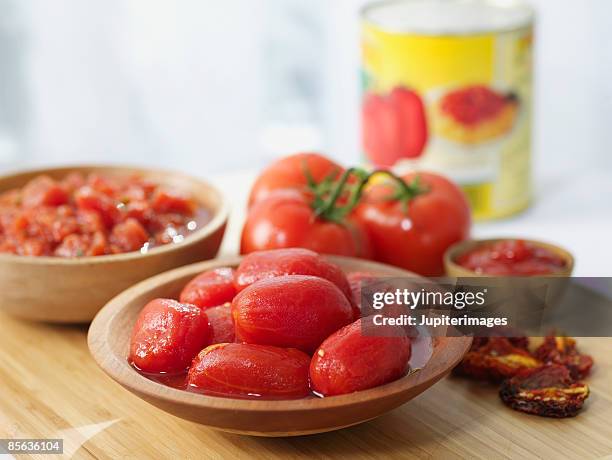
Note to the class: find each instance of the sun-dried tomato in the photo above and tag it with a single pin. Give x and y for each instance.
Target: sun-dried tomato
(562, 350)
(496, 360)
(548, 391)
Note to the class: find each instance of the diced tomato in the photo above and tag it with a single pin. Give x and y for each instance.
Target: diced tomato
(43, 191)
(166, 201)
(90, 221)
(73, 246)
(92, 215)
(64, 223)
(129, 235)
(88, 198)
(99, 245)
(73, 181)
(139, 210)
(102, 184)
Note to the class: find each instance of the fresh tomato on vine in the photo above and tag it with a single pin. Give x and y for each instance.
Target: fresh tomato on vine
(297, 172)
(412, 220)
(289, 218)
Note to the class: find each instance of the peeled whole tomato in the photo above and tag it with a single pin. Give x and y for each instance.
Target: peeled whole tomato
(296, 311)
(293, 261)
(221, 324)
(351, 360)
(167, 336)
(414, 233)
(290, 173)
(209, 289)
(250, 371)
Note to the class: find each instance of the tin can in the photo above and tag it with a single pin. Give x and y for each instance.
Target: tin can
(447, 87)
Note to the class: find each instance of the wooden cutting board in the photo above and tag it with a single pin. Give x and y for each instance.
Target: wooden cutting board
(51, 388)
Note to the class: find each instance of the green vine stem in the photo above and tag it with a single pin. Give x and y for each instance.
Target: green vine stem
(328, 209)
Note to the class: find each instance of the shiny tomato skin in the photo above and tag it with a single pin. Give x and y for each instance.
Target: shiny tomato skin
(221, 324)
(286, 220)
(289, 173)
(209, 289)
(350, 361)
(250, 371)
(292, 261)
(295, 311)
(167, 336)
(416, 239)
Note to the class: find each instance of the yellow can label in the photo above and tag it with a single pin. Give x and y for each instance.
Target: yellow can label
(459, 105)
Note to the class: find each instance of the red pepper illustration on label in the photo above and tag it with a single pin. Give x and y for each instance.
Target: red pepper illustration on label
(394, 126)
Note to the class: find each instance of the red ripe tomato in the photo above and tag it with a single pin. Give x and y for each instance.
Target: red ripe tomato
(167, 336)
(250, 371)
(414, 233)
(286, 219)
(221, 324)
(394, 126)
(290, 173)
(209, 289)
(350, 360)
(295, 311)
(294, 261)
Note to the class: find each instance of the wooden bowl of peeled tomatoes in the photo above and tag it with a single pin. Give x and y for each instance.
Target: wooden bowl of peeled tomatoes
(271, 344)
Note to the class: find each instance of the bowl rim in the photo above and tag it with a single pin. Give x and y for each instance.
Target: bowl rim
(455, 250)
(219, 217)
(121, 372)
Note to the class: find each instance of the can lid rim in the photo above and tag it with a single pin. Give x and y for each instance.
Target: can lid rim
(369, 8)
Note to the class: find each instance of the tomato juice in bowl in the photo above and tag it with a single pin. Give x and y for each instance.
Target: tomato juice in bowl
(49, 287)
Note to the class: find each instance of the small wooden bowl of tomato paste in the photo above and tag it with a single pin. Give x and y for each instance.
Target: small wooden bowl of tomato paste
(124, 340)
(71, 238)
(507, 257)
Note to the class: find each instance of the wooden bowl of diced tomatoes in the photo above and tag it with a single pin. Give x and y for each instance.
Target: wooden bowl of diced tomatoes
(71, 238)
